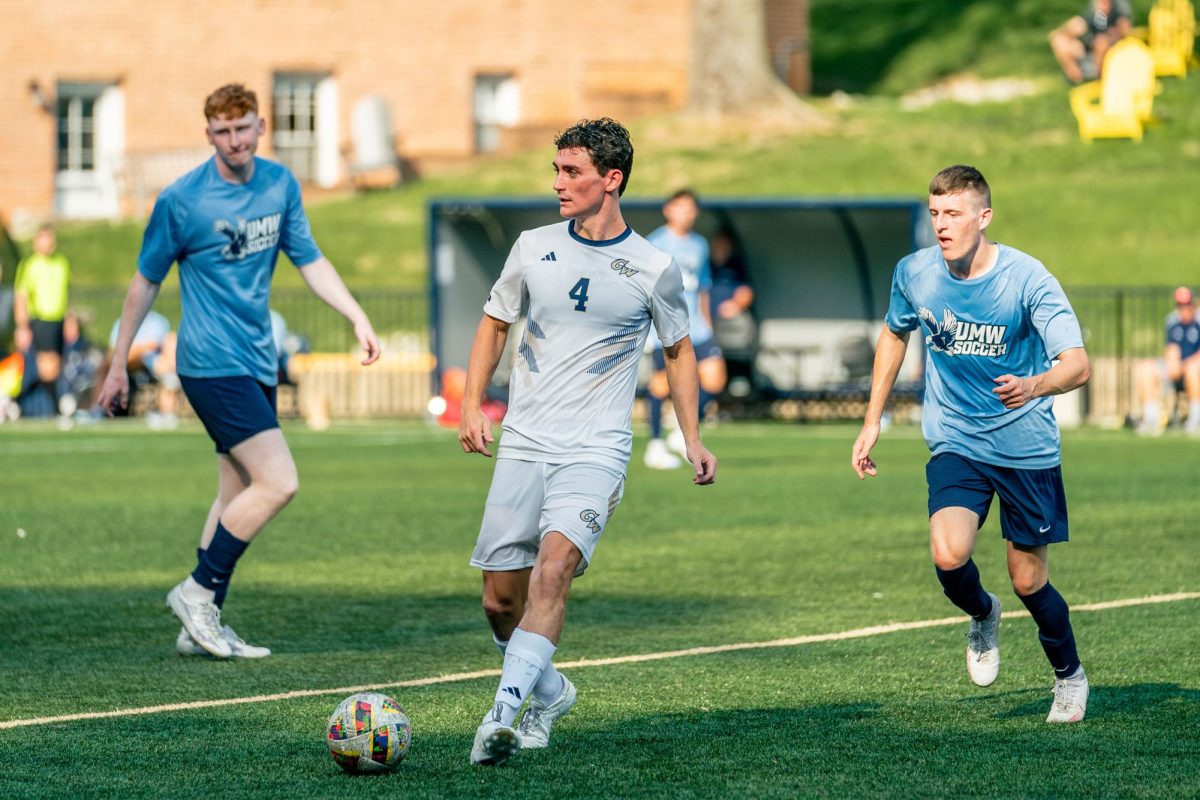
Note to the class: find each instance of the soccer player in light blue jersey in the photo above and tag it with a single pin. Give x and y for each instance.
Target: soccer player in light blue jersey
(679, 240)
(591, 290)
(224, 223)
(1001, 338)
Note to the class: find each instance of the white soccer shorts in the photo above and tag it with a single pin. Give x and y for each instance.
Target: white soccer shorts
(529, 499)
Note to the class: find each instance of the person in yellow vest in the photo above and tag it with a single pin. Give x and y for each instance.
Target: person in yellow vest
(40, 304)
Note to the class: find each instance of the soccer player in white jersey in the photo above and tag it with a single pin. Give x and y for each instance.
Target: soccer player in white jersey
(592, 288)
(1001, 339)
(225, 223)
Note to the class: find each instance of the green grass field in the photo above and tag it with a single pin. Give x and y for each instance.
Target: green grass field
(364, 581)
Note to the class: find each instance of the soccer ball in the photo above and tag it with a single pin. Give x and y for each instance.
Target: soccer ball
(368, 732)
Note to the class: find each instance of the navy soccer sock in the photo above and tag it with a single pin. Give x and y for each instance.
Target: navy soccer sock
(654, 412)
(704, 399)
(964, 589)
(220, 592)
(215, 565)
(1053, 619)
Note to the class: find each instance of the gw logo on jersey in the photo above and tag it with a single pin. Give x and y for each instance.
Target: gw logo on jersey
(590, 516)
(960, 338)
(621, 265)
(247, 238)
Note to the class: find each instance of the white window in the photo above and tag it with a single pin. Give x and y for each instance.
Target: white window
(304, 125)
(497, 106)
(76, 113)
(90, 144)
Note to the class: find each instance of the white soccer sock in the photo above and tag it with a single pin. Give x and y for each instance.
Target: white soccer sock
(1150, 414)
(196, 593)
(525, 657)
(1193, 418)
(548, 685)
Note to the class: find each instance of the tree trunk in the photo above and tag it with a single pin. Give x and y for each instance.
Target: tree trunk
(731, 70)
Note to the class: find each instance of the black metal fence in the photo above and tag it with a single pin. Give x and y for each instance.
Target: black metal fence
(400, 316)
(1122, 321)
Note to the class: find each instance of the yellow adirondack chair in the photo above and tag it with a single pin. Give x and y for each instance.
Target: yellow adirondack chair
(1117, 105)
(1169, 42)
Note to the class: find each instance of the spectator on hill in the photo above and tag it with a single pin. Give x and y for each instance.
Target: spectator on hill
(1080, 43)
(1179, 367)
(39, 306)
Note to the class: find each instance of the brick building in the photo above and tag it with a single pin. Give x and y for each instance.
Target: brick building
(101, 101)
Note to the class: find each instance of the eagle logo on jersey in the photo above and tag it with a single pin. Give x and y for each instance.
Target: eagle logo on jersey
(237, 238)
(942, 335)
(621, 265)
(248, 237)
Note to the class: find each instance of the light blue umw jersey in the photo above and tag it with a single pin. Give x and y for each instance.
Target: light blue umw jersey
(691, 254)
(226, 238)
(1010, 321)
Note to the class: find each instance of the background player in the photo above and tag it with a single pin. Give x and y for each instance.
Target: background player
(993, 319)
(679, 240)
(592, 287)
(225, 223)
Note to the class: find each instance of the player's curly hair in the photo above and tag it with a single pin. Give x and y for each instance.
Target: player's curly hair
(607, 142)
(961, 178)
(231, 101)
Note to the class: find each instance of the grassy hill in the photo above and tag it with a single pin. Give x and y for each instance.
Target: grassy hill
(1105, 213)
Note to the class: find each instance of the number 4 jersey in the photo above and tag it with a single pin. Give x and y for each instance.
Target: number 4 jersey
(589, 309)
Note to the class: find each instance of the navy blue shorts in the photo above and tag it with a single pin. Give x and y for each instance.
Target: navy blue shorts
(232, 409)
(704, 351)
(1033, 502)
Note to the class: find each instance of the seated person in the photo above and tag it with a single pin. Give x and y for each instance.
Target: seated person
(79, 361)
(287, 344)
(1080, 43)
(731, 298)
(151, 360)
(1179, 367)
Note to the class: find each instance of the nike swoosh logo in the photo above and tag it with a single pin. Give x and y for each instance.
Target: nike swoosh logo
(218, 580)
(1043, 530)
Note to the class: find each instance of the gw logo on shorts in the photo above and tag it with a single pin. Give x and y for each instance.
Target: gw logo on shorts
(589, 516)
(621, 265)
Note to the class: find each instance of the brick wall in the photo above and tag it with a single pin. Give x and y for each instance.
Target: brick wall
(570, 60)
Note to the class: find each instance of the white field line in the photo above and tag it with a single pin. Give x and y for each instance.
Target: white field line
(857, 633)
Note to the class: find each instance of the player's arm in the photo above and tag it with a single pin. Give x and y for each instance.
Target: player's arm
(1071, 371)
(326, 284)
(141, 295)
(474, 428)
(684, 382)
(889, 356)
(21, 298)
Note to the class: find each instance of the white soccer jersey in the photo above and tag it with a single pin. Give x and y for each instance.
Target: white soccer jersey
(590, 305)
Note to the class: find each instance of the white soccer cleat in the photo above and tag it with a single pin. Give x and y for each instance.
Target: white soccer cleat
(659, 457)
(202, 620)
(495, 743)
(1070, 698)
(1149, 427)
(983, 647)
(185, 645)
(538, 719)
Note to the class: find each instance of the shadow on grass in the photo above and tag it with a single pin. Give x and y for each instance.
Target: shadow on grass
(1108, 701)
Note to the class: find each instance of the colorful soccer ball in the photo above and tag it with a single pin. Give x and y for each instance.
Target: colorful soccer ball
(368, 732)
